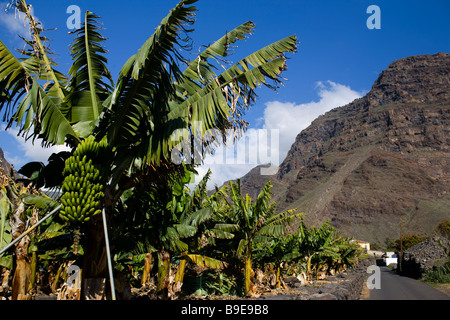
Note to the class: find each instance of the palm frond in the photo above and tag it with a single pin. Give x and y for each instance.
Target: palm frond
(40, 52)
(199, 216)
(285, 217)
(39, 117)
(225, 97)
(273, 230)
(87, 87)
(15, 81)
(199, 70)
(263, 198)
(228, 227)
(138, 105)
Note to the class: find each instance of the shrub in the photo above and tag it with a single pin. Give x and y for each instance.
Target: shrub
(408, 241)
(439, 274)
(443, 229)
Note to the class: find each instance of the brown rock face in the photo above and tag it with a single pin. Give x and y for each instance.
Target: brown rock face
(379, 161)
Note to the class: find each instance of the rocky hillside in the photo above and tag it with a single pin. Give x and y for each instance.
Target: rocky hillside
(378, 162)
(6, 167)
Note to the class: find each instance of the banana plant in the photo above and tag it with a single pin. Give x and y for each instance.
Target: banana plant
(199, 211)
(276, 251)
(170, 228)
(20, 207)
(254, 222)
(320, 247)
(314, 243)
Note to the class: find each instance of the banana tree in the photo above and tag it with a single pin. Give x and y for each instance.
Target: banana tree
(20, 207)
(319, 247)
(345, 254)
(275, 252)
(152, 108)
(170, 227)
(14, 207)
(254, 222)
(201, 212)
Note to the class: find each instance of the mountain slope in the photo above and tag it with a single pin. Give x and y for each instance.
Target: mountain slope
(382, 160)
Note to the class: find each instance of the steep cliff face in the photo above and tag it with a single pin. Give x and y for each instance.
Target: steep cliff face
(378, 162)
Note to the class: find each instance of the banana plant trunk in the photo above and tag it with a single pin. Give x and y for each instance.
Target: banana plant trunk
(180, 271)
(95, 264)
(247, 273)
(162, 288)
(22, 271)
(147, 268)
(278, 285)
(179, 277)
(33, 269)
(308, 266)
(21, 279)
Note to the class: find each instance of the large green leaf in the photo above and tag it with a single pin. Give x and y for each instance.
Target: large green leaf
(199, 71)
(39, 201)
(221, 100)
(285, 217)
(39, 117)
(138, 105)
(15, 81)
(39, 50)
(199, 216)
(220, 234)
(87, 88)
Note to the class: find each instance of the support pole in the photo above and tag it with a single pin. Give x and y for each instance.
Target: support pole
(31, 229)
(108, 254)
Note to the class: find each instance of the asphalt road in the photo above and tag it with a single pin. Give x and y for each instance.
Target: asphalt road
(395, 287)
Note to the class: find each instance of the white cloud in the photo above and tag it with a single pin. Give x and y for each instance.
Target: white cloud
(27, 151)
(291, 118)
(284, 121)
(14, 21)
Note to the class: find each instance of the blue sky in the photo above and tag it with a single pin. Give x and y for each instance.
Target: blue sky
(338, 57)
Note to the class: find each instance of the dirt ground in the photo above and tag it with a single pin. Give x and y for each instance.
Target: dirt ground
(443, 287)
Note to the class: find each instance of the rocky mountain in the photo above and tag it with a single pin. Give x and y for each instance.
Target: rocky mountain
(378, 164)
(6, 167)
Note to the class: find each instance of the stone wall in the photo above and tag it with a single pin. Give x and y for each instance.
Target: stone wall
(344, 286)
(418, 259)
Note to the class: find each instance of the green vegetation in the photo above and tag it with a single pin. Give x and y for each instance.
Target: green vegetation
(443, 229)
(441, 270)
(407, 241)
(439, 274)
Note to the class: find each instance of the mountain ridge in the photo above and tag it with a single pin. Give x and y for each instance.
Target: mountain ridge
(378, 162)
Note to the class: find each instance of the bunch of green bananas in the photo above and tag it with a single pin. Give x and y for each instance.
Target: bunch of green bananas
(83, 182)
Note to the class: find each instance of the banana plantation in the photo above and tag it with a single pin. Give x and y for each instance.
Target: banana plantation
(116, 212)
